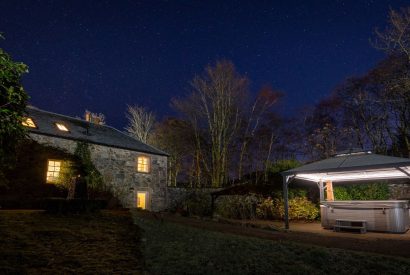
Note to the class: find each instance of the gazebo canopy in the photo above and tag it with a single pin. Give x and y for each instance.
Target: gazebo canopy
(356, 166)
(344, 167)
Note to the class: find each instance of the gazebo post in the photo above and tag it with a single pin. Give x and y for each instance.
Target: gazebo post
(286, 200)
(321, 190)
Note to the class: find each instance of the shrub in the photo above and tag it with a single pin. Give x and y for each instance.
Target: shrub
(282, 165)
(64, 206)
(237, 207)
(294, 193)
(266, 209)
(253, 206)
(194, 203)
(300, 208)
(371, 191)
(341, 193)
(93, 177)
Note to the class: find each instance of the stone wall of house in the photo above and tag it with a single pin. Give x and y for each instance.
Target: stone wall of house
(118, 168)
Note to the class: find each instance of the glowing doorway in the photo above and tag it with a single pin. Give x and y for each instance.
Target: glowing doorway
(142, 198)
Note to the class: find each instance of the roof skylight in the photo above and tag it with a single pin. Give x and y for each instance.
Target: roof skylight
(62, 127)
(28, 122)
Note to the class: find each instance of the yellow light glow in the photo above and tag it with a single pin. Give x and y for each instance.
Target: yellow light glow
(143, 164)
(141, 200)
(61, 127)
(28, 122)
(53, 170)
(387, 173)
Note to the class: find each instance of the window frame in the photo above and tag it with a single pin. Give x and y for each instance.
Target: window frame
(148, 164)
(54, 180)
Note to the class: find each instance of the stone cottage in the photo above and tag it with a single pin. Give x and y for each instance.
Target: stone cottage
(135, 172)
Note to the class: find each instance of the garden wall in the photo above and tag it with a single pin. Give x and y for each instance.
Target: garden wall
(118, 168)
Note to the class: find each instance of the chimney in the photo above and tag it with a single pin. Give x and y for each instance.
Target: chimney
(94, 118)
(87, 116)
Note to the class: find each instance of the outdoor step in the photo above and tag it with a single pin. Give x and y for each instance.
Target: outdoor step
(349, 226)
(362, 228)
(351, 221)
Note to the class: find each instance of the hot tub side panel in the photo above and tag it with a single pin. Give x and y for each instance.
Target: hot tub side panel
(384, 219)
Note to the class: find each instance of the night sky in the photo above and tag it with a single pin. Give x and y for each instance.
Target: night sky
(103, 55)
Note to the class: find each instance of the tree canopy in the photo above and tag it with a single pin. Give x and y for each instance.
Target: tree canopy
(13, 100)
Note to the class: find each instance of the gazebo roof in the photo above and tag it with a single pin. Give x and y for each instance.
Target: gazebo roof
(353, 166)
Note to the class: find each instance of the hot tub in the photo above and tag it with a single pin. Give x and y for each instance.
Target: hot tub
(384, 216)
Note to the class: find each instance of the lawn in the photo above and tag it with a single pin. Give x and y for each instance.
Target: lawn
(35, 242)
(171, 248)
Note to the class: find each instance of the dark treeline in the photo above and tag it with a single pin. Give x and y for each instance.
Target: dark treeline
(222, 134)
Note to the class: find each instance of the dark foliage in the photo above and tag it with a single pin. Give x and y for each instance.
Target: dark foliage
(193, 203)
(28, 177)
(28, 187)
(13, 100)
(64, 206)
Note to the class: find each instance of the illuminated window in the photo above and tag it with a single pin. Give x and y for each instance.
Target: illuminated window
(53, 170)
(61, 127)
(143, 163)
(28, 122)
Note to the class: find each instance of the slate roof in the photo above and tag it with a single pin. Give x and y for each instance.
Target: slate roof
(350, 162)
(85, 131)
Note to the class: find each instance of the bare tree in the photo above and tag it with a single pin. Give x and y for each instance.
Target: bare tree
(323, 129)
(140, 122)
(263, 102)
(214, 107)
(396, 37)
(395, 40)
(174, 136)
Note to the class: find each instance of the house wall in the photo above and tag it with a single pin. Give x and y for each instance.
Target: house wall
(118, 168)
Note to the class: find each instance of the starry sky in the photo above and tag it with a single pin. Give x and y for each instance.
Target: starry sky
(103, 55)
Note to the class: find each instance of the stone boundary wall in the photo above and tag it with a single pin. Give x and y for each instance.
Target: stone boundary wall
(118, 168)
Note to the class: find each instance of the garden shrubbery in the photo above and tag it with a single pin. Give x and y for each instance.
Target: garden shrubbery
(237, 207)
(300, 208)
(64, 206)
(194, 203)
(254, 206)
(370, 191)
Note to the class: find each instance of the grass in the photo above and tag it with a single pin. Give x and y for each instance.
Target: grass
(177, 249)
(35, 242)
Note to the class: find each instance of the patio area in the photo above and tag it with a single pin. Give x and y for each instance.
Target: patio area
(316, 228)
